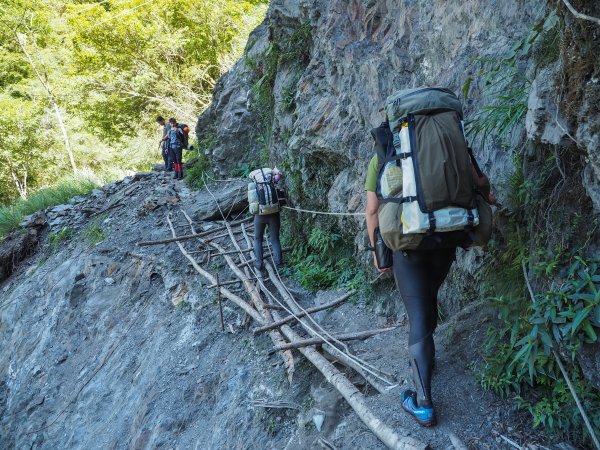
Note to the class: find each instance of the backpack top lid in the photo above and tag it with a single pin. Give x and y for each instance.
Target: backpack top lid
(420, 101)
(263, 175)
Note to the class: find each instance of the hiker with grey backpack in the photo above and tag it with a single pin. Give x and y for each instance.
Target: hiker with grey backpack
(265, 198)
(426, 196)
(177, 139)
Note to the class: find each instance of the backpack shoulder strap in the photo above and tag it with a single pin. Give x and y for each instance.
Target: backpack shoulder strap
(384, 145)
(474, 162)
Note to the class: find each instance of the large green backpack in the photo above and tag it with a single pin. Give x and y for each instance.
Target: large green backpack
(425, 183)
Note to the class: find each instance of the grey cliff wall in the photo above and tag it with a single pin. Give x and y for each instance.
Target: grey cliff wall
(360, 52)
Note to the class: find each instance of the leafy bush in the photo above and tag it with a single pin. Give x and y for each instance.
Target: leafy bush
(521, 361)
(241, 172)
(194, 176)
(325, 261)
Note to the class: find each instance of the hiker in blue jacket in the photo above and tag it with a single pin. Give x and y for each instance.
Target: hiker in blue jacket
(175, 138)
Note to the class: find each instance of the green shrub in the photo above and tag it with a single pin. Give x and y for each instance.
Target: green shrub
(325, 261)
(194, 176)
(93, 233)
(56, 239)
(241, 172)
(521, 360)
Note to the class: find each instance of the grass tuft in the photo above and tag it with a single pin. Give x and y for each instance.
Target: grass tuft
(71, 186)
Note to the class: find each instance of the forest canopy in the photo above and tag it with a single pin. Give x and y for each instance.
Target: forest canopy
(81, 83)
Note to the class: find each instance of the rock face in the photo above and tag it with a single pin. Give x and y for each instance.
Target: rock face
(229, 120)
(330, 64)
(357, 53)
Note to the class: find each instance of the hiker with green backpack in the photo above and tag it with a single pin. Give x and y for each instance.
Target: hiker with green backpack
(426, 196)
(265, 199)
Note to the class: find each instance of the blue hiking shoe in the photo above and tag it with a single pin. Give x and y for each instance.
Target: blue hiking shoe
(424, 416)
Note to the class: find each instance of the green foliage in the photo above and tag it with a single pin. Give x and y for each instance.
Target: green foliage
(508, 87)
(241, 172)
(288, 100)
(93, 233)
(565, 318)
(71, 186)
(56, 239)
(194, 176)
(325, 261)
(22, 164)
(178, 55)
(111, 68)
(296, 48)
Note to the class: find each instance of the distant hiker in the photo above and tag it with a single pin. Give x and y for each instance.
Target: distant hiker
(163, 144)
(176, 139)
(425, 196)
(265, 200)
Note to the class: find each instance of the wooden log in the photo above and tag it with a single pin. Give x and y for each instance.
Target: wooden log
(226, 283)
(340, 337)
(316, 331)
(189, 236)
(275, 307)
(348, 362)
(233, 252)
(226, 293)
(304, 313)
(220, 305)
(352, 395)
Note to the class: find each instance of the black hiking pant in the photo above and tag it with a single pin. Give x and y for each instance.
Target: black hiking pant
(260, 223)
(419, 275)
(177, 153)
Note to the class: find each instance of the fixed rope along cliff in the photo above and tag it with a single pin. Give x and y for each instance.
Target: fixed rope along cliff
(324, 213)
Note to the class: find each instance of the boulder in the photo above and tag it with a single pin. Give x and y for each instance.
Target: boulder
(544, 122)
(231, 197)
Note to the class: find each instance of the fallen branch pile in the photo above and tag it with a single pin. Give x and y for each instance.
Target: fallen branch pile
(264, 305)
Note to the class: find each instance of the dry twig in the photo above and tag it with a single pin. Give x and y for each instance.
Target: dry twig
(302, 314)
(580, 15)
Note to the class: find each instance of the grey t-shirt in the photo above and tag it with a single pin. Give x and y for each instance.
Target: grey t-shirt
(166, 129)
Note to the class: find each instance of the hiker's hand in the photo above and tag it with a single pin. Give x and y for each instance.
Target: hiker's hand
(491, 198)
(389, 269)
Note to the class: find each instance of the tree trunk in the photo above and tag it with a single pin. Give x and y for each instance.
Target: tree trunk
(53, 102)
